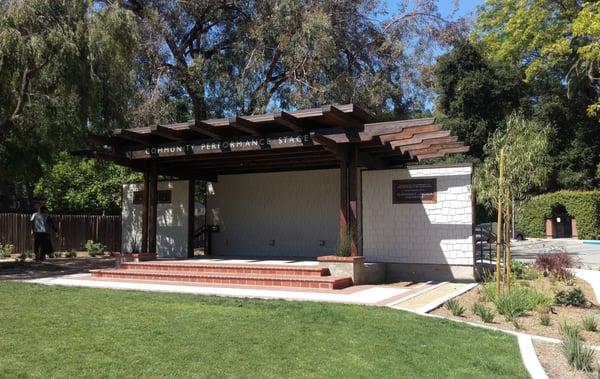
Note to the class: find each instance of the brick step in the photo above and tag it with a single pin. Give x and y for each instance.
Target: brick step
(216, 268)
(291, 281)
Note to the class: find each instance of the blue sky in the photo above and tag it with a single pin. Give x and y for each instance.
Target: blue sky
(447, 7)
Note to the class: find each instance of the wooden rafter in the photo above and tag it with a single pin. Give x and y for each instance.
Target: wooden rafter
(246, 126)
(409, 132)
(442, 152)
(289, 121)
(428, 143)
(206, 130)
(132, 136)
(166, 132)
(419, 138)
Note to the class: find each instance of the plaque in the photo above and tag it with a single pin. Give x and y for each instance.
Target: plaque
(414, 191)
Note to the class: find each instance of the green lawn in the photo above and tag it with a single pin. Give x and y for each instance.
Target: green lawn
(76, 332)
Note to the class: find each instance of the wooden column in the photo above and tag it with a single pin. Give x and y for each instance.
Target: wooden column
(354, 194)
(191, 217)
(144, 241)
(152, 202)
(344, 203)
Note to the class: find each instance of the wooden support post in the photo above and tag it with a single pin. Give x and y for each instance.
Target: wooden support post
(152, 202)
(499, 225)
(354, 193)
(344, 204)
(191, 217)
(144, 214)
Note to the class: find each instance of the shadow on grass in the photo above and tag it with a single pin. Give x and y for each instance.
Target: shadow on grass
(52, 267)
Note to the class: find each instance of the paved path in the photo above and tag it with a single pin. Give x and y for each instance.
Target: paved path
(588, 255)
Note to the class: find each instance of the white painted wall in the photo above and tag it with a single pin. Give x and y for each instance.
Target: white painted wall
(295, 209)
(439, 233)
(172, 224)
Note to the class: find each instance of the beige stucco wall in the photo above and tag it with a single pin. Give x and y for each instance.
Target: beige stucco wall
(172, 225)
(297, 210)
(439, 233)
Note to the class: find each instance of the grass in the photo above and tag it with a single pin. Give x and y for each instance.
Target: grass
(486, 314)
(578, 355)
(589, 323)
(81, 332)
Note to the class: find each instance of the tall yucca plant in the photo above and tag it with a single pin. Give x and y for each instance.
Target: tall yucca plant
(524, 145)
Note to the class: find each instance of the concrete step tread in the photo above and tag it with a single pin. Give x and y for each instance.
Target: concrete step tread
(306, 278)
(215, 267)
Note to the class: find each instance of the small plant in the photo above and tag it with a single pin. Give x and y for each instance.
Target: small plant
(344, 245)
(94, 248)
(455, 307)
(516, 324)
(569, 331)
(578, 355)
(134, 246)
(545, 319)
(574, 297)
(517, 268)
(520, 300)
(486, 314)
(27, 254)
(589, 323)
(72, 254)
(6, 250)
(555, 264)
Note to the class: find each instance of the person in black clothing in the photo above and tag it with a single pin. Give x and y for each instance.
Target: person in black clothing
(41, 227)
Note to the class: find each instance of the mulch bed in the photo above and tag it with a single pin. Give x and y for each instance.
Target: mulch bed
(530, 323)
(555, 364)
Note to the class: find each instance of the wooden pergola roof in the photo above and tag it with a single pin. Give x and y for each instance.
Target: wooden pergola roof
(305, 139)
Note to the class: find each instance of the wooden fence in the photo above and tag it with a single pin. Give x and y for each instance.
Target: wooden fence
(73, 231)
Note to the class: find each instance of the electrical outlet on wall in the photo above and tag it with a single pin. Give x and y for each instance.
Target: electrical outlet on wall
(322, 243)
(271, 243)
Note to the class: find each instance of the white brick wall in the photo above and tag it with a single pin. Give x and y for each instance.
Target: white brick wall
(439, 233)
(295, 209)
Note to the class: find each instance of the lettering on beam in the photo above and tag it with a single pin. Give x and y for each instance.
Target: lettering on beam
(246, 144)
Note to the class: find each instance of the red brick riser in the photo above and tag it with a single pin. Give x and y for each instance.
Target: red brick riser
(321, 282)
(228, 269)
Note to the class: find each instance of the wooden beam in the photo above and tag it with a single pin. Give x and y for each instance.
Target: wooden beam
(165, 132)
(419, 138)
(428, 143)
(443, 152)
(331, 146)
(434, 147)
(100, 140)
(354, 194)
(246, 126)
(386, 127)
(409, 132)
(206, 130)
(348, 121)
(152, 211)
(289, 121)
(145, 212)
(191, 207)
(133, 136)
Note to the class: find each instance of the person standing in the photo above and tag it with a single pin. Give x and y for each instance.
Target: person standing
(41, 227)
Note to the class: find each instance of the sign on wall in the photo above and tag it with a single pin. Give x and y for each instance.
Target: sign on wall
(414, 191)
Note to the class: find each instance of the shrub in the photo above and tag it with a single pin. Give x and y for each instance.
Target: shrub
(584, 206)
(27, 254)
(517, 268)
(486, 314)
(6, 250)
(488, 290)
(578, 355)
(519, 301)
(589, 323)
(94, 248)
(72, 254)
(569, 331)
(455, 307)
(556, 264)
(574, 297)
(545, 319)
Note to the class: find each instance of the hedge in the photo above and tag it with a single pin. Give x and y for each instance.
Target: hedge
(584, 206)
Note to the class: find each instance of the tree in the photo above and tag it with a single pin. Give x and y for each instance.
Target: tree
(244, 57)
(474, 95)
(555, 45)
(516, 166)
(75, 184)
